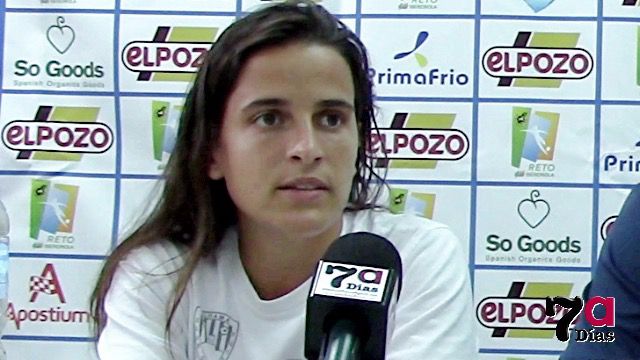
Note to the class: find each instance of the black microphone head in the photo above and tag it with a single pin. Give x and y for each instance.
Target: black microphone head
(358, 279)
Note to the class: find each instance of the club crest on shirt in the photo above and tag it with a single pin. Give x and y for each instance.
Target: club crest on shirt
(215, 335)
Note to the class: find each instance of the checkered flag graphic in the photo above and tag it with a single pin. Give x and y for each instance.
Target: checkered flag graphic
(40, 284)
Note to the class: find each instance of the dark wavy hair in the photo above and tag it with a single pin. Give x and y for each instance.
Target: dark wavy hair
(194, 210)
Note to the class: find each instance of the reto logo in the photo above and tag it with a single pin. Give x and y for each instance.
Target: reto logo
(418, 4)
(47, 283)
(168, 55)
(164, 122)
(533, 137)
(418, 140)
(403, 201)
(53, 208)
(538, 60)
(606, 306)
(350, 281)
(58, 133)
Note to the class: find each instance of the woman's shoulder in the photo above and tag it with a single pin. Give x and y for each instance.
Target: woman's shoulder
(159, 258)
(403, 230)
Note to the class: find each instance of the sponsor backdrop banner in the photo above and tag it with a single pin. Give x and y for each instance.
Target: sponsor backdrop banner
(512, 121)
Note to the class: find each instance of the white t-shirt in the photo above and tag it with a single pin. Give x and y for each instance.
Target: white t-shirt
(221, 316)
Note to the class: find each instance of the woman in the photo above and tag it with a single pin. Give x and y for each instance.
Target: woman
(269, 168)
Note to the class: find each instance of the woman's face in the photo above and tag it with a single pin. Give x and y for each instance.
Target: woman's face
(289, 140)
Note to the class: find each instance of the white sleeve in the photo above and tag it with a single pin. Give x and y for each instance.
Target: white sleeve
(136, 307)
(434, 315)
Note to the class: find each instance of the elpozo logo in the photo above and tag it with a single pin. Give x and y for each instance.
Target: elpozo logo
(58, 72)
(531, 247)
(534, 135)
(418, 141)
(405, 71)
(522, 312)
(53, 209)
(539, 60)
(169, 56)
(404, 201)
(61, 133)
(48, 285)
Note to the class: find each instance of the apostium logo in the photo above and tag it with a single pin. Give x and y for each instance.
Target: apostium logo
(533, 142)
(46, 288)
(53, 209)
(418, 141)
(174, 54)
(538, 60)
(62, 133)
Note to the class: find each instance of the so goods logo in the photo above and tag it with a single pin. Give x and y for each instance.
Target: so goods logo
(57, 73)
(174, 54)
(539, 60)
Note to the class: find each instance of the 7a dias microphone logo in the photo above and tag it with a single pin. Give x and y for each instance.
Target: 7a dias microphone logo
(61, 133)
(540, 59)
(411, 202)
(165, 118)
(350, 281)
(522, 312)
(53, 208)
(418, 141)
(174, 54)
(533, 138)
(605, 306)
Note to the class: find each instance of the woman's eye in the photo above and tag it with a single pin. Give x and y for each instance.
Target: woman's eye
(331, 120)
(268, 119)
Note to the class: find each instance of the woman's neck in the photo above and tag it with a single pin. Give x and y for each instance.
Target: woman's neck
(277, 262)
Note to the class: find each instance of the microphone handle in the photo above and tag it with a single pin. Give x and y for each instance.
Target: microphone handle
(342, 342)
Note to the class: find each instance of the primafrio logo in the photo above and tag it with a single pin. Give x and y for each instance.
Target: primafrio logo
(538, 59)
(638, 56)
(522, 312)
(403, 201)
(59, 73)
(46, 285)
(418, 141)
(174, 54)
(419, 73)
(58, 133)
(165, 118)
(53, 208)
(418, 4)
(533, 141)
(623, 161)
(630, 2)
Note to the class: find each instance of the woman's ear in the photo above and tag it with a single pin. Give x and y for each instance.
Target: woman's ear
(215, 170)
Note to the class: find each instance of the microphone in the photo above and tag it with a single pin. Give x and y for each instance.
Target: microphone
(352, 299)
